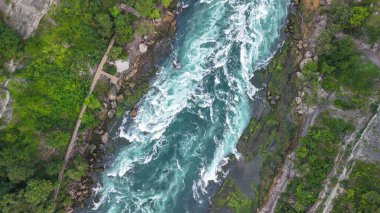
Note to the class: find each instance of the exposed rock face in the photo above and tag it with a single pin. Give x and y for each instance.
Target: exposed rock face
(24, 15)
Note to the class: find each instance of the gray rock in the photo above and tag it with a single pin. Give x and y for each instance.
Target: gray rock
(105, 138)
(24, 15)
(298, 100)
(304, 62)
(113, 104)
(308, 54)
(112, 94)
(300, 76)
(98, 131)
(143, 48)
(111, 113)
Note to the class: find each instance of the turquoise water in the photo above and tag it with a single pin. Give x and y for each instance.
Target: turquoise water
(193, 115)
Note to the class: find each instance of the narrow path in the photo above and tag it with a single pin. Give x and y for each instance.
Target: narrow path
(6, 100)
(287, 171)
(73, 139)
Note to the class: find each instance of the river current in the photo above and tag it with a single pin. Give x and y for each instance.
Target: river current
(193, 115)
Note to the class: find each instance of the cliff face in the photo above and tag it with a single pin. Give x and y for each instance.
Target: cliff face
(24, 15)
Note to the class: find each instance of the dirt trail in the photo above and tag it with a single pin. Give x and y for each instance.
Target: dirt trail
(6, 100)
(73, 139)
(287, 171)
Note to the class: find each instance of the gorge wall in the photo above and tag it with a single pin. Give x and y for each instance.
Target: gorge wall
(24, 15)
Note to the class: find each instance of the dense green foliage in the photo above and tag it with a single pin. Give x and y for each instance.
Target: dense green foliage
(362, 190)
(50, 90)
(314, 160)
(359, 18)
(9, 45)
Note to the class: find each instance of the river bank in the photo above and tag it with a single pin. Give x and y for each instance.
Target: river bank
(280, 119)
(312, 105)
(145, 53)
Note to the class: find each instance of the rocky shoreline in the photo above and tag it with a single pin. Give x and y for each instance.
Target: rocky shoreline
(145, 52)
(279, 119)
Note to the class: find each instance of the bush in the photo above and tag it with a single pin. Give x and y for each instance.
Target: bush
(362, 190)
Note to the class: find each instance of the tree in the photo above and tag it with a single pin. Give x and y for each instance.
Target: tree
(123, 29)
(358, 16)
(105, 25)
(38, 191)
(165, 3)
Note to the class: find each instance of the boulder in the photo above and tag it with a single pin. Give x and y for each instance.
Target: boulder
(300, 76)
(105, 137)
(304, 62)
(269, 93)
(133, 112)
(112, 94)
(111, 113)
(308, 54)
(143, 48)
(298, 100)
(120, 98)
(113, 104)
(98, 131)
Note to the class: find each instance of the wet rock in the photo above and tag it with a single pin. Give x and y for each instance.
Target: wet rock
(269, 93)
(112, 94)
(105, 138)
(143, 48)
(111, 113)
(133, 112)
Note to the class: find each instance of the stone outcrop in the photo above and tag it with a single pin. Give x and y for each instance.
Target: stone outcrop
(24, 15)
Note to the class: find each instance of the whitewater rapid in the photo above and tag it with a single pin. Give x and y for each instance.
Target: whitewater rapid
(192, 117)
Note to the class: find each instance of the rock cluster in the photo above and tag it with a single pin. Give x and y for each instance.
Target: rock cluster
(273, 100)
(299, 104)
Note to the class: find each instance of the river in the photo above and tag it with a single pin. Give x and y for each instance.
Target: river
(193, 115)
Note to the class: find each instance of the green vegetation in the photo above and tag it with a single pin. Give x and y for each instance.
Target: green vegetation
(235, 199)
(362, 190)
(314, 160)
(49, 90)
(9, 45)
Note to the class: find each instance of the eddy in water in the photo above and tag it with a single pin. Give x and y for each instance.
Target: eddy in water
(194, 113)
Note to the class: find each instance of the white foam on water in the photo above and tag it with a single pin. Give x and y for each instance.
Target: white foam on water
(251, 28)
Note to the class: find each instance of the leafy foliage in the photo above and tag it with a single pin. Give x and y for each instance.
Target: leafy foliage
(314, 160)
(362, 190)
